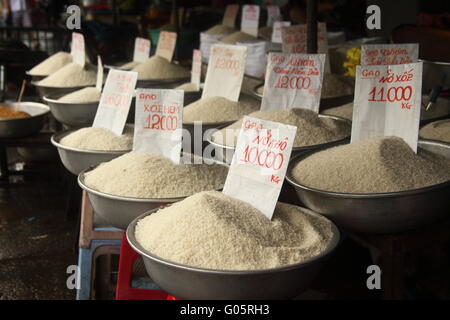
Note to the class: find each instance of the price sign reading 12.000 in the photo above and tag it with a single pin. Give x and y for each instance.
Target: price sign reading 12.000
(260, 162)
(115, 100)
(387, 102)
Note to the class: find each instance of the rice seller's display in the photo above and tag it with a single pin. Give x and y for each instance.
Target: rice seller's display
(188, 87)
(438, 130)
(376, 165)
(85, 95)
(157, 67)
(71, 75)
(219, 29)
(214, 231)
(52, 64)
(237, 36)
(311, 129)
(99, 139)
(345, 111)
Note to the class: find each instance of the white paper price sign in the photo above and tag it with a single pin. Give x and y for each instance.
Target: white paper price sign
(293, 81)
(294, 39)
(115, 100)
(141, 49)
(250, 19)
(225, 71)
(259, 163)
(273, 14)
(166, 45)
(99, 83)
(276, 32)
(387, 102)
(389, 54)
(229, 17)
(196, 71)
(77, 49)
(158, 122)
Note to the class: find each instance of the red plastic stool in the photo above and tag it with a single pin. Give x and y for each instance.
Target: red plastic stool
(124, 291)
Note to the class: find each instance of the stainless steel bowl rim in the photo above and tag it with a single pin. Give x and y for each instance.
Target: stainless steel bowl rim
(302, 156)
(56, 138)
(334, 241)
(216, 144)
(42, 106)
(255, 90)
(34, 83)
(47, 99)
(124, 198)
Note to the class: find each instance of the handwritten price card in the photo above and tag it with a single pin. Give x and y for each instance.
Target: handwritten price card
(77, 49)
(196, 68)
(273, 14)
(115, 100)
(229, 17)
(158, 122)
(99, 82)
(389, 54)
(387, 102)
(294, 39)
(276, 32)
(141, 49)
(259, 163)
(293, 81)
(250, 19)
(225, 71)
(166, 45)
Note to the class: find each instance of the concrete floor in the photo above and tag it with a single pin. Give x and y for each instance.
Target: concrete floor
(36, 243)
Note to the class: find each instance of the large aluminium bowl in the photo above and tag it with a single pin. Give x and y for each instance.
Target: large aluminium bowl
(58, 91)
(119, 211)
(72, 114)
(379, 213)
(77, 160)
(225, 153)
(187, 282)
(20, 127)
(161, 83)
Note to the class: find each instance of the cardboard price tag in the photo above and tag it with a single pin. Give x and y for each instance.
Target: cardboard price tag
(276, 32)
(293, 81)
(141, 49)
(389, 54)
(158, 122)
(77, 49)
(225, 71)
(250, 19)
(229, 17)
(273, 14)
(259, 163)
(99, 83)
(294, 39)
(387, 102)
(196, 72)
(115, 100)
(166, 45)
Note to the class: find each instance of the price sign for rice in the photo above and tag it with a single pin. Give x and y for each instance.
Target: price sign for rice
(250, 19)
(273, 14)
(141, 49)
(77, 48)
(293, 81)
(166, 45)
(260, 162)
(99, 82)
(389, 54)
(276, 33)
(387, 102)
(294, 39)
(225, 71)
(229, 17)
(115, 100)
(196, 68)
(158, 122)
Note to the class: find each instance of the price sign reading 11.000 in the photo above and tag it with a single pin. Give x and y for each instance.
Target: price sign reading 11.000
(387, 102)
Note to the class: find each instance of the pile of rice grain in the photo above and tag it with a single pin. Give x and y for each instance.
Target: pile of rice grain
(311, 129)
(157, 67)
(345, 111)
(213, 231)
(143, 175)
(99, 139)
(237, 36)
(438, 130)
(376, 165)
(129, 65)
(85, 95)
(71, 75)
(219, 109)
(189, 87)
(335, 86)
(219, 29)
(52, 64)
